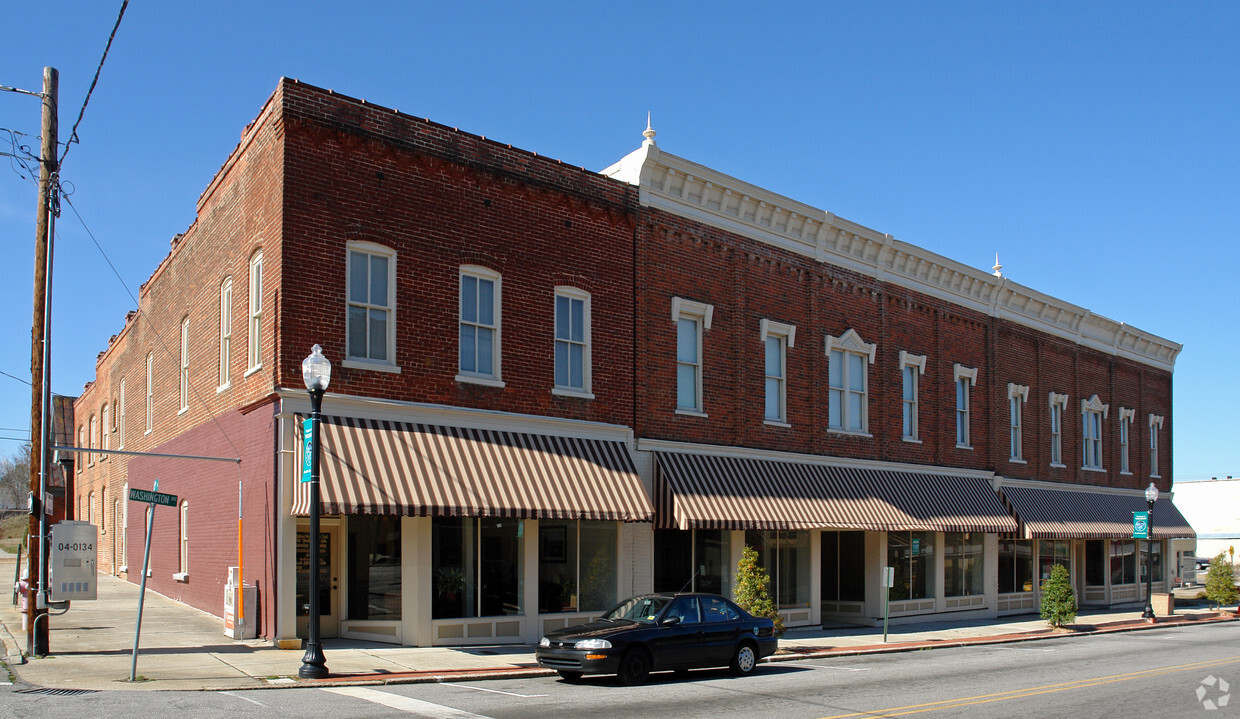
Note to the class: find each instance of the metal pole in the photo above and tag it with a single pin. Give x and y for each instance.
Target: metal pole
(314, 663)
(146, 562)
(1148, 614)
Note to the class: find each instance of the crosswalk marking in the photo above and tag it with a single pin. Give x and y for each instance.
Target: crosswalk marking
(407, 704)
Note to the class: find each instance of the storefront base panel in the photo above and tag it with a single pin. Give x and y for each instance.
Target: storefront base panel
(388, 632)
(463, 632)
(1017, 603)
(798, 617)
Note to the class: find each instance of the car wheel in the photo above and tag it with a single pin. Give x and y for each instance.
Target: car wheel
(634, 668)
(570, 676)
(744, 661)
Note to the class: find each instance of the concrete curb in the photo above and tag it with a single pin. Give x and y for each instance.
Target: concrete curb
(12, 649)
(440, 676)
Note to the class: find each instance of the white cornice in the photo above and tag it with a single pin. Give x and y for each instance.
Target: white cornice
(714, 450)
(1001, 482)
(688, 189)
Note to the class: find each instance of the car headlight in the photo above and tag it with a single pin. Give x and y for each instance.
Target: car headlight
(592, 644)
(544, 642)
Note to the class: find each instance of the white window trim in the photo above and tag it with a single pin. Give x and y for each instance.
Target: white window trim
(373, 248)
(105, 417)
(1093, 405)
(150, 392)
(918, 361)
(689, 309)
(183, 374)
(1061, 401)
(1156, 425)
(495, 377)
(225, 369)
(1125, 442)
(183, 543)
(587, 319)
(254, 316)
(1021, 392)
(960, 372)
(851, 343)
(120, 417)
(787, 335)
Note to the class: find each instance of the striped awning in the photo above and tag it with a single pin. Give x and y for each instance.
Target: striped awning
(696, 491)
(1077, 514)
(394, 468)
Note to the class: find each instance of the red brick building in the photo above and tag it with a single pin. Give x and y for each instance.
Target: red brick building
(553, 387)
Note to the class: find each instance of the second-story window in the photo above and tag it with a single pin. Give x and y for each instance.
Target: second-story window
(912, 367)
(777, 337)
(104, 439)
(572, 341)
(185, 364)
(965, 378)
(1018, 394)
(94, 441)
(371, 326)
(150, 392)
(1059, 402)
(120, 417)
(1093, 411)
(848, 358)
(256, 311)
(692, 319)
(1156, 423)
(1125, 436)
(225, 332)
(479, 324)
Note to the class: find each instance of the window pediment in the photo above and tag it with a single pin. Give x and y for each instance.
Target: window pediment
(1093, 404)
(850, 341)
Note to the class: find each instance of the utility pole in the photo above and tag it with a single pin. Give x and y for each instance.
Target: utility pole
(40, 415)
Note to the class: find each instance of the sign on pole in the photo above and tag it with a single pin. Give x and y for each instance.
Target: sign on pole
(143, 495)
(307, 447)
(1140, 525)
(153, 498)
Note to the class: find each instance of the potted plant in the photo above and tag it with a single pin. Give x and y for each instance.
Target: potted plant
(449, 583)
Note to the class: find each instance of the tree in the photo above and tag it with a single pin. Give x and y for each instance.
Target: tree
(753, 589)
(1058, 601)
(1220, 581)
(15, 478)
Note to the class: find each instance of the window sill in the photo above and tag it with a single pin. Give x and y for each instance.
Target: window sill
(182, 411)
(690, 412)
(1155, 476)
(252, 370)
(850, 432)
(1016, 460)
(965, 446)
(355, 363)
(565, 392)
(181, 576)
(123, 568)
(775, 423)
(221, 388)
(1125, 474)
(1056, 465)
(1094, 469)
(484, 381)
(910, 440)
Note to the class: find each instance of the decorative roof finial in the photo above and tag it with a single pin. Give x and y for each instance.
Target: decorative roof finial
(998, 268)
(649, 133)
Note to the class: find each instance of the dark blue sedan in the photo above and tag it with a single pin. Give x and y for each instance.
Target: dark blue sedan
(654, 632)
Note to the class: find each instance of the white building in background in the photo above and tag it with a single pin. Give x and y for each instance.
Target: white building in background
(1213, 508)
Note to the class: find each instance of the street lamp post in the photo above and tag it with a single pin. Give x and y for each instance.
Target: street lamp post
(1151, 496)
(316, 370)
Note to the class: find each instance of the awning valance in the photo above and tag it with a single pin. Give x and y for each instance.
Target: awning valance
(395, 468)
(697, 491)
(1078, 514)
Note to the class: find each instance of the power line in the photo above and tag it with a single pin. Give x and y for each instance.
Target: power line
(73, 133)
(19, 379)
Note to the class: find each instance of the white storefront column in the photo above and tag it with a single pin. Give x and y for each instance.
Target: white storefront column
(990, 574)
(529, 594)
(940, 572)
(875, 565)
(415, 581)
(815, 576)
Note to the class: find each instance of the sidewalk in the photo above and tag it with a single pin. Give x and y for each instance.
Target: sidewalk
(183, 648)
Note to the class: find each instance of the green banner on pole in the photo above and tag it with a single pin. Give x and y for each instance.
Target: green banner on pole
(307, 447)
(1140, 525)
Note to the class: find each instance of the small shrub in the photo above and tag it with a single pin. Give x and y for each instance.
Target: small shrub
(1058, 601)
(753, 589)
(1220, 581)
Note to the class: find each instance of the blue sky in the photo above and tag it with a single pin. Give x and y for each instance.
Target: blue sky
(1092, 145)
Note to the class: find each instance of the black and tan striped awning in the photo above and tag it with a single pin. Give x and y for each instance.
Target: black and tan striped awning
(695, 491)
(1076, 514)
(380, 467)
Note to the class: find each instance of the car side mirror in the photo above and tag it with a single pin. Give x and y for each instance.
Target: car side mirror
(671, 621)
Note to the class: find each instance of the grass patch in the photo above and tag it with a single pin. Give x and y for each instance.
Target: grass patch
(13, 531)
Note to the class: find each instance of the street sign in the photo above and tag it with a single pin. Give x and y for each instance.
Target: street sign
(1140, 525)
(916, 546)
(142, 495)
(307, 447)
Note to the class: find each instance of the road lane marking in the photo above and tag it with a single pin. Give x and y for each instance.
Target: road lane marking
(496, 691)
(406, 704)
(1035, 691)
(246, 699)
(1025, 649)
(823, 666)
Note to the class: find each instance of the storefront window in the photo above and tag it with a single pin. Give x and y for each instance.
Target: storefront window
(962, 570)
(576, 566)
(693, 560)
(374, 567)
(476, 567)
(1123, 562)
(843, 566)
(1158, 564)
(912, 556)
(1052, 552)
(1015, 565)
(785, 557)
(1095, 562)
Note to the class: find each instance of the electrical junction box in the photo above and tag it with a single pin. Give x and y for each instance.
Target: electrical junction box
(72, 561)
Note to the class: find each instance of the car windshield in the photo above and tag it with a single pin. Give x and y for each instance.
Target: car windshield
(638, 609)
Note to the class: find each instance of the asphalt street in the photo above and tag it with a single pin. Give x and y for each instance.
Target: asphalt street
(1169, 672)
